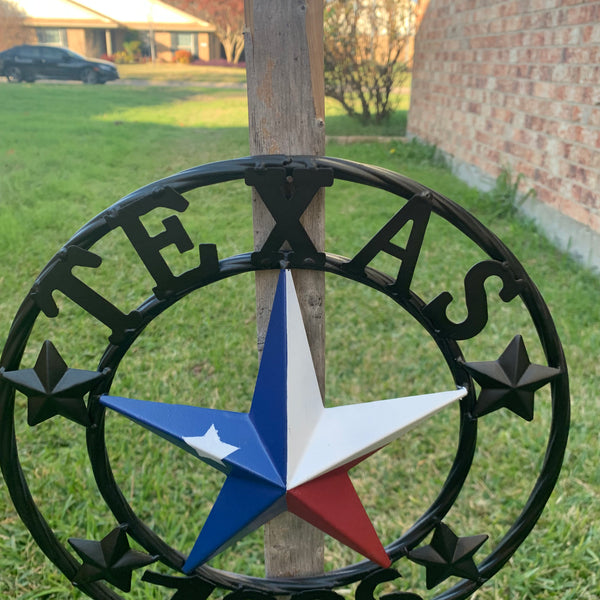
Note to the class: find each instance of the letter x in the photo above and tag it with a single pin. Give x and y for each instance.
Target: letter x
(287, 199)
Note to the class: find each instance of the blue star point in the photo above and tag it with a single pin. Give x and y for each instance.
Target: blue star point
(289, 452)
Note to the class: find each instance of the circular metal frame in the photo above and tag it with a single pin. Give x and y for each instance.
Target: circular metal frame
(342, 170)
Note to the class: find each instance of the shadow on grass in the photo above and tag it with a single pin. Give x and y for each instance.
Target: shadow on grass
(67, 152)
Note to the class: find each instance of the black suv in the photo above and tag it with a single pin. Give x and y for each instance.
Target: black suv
(28, 63)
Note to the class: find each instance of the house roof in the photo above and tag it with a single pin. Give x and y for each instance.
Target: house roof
(110, 14)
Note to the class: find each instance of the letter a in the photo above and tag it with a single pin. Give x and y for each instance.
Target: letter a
(415, 210)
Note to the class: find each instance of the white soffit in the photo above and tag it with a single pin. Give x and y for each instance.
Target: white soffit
(109, 11)
(139, 11)
(59, 9)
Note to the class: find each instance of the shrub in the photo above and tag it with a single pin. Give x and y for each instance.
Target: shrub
(121, 57)
(131, 52)
(183, 56)
(365, 43)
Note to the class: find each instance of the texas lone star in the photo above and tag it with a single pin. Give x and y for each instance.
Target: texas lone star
(289, 452)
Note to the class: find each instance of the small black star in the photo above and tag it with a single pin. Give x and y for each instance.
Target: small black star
(509, 382)
(52, 388)
(111, 559)
(189, 588)
(448, 555)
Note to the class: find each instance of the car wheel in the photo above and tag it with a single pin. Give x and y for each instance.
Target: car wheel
(89, 76)
(14, 75)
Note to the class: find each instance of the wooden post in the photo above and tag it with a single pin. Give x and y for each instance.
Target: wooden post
(286, 107)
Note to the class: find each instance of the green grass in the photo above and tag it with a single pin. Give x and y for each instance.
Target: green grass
(168, 72)
(338, 123)
(68, 152)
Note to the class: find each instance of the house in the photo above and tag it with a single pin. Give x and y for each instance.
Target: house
(99, 27)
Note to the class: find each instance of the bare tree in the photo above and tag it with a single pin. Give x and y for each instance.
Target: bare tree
(227, 16)
(12, 26)
(365, 43)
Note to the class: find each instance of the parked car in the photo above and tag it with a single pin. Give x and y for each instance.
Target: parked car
(28, 63)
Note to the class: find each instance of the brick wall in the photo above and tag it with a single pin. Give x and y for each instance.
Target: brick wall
(516, 83)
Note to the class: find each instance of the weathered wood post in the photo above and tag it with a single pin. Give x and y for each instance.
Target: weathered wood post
(284, 65)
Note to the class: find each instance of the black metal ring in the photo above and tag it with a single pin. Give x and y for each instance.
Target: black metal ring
(342, 170)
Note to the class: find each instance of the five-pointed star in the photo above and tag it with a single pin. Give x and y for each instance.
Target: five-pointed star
(509, 382)
(448, 555)
(110, 559)
(52, 388)
(289, 452)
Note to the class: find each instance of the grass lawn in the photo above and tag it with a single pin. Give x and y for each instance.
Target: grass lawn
(177, 72)
(337, 124)
(69, 152)
(195, 73)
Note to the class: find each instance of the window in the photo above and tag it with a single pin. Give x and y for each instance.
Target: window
(185, 41)
(53, 55)
(28, 52)
(55, 37)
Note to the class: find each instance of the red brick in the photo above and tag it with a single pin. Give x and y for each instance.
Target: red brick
(525, 168)
(541, 124)
(565, 74)
(523, 136)
(537, 38)
(575, 210)
(547, 90)
(544, 4)
(547, 196)
(582, 135)
(500, 70)
(581, 155)
(582, 55)
(588, 13)
(492, 155)
(578, 94)
(591, 34)
(516, 82)
(590, 74)
(502, 114)
(584, 176)
(566, 150)
(591, 199)
(541, 72)
(594, 222)
(507, 86)
(547, 55)
(566, 36)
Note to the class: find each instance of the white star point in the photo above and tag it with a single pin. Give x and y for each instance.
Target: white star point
(347, 433)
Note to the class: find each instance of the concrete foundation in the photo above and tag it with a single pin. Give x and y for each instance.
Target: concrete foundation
(579, 241)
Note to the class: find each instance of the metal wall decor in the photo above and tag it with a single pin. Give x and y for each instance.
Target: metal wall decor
(287, 452)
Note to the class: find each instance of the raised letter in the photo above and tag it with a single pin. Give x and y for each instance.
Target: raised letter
(60, 277)
(415, 210)
(148, 248)
(475, 299)
(286, 198)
